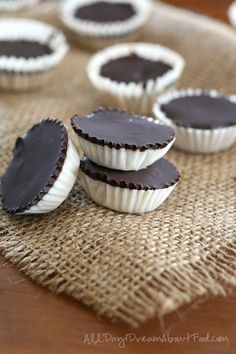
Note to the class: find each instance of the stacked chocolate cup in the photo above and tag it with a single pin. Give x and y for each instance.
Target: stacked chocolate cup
(123, 168)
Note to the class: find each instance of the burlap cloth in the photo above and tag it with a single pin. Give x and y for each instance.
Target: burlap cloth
(132, 267)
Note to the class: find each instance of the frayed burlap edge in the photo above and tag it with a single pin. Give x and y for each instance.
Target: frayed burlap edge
(166, 291)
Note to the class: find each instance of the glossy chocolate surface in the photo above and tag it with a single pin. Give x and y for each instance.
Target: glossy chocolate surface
(133, 68)
(202, 112)
(23, 49)
(103, 11)
(121, 129)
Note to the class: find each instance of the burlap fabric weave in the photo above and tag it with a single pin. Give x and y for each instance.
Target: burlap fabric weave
(131, 267)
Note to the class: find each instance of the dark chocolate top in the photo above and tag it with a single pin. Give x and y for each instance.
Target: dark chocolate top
(133, 68)
(23, 49)
(121, 129)
(201, 112)
(103, 11)
(38, 158)
(160, 175)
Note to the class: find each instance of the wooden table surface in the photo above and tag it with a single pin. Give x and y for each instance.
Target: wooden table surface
(33, 321)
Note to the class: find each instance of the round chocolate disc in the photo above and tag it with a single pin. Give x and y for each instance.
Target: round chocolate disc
(160, 175)
(121, 129)
(133, 68)
(104, 11)
(38, 158)
(201, 112)
(23, 49)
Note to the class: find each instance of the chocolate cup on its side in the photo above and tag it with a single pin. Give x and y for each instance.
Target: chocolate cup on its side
(38, 159)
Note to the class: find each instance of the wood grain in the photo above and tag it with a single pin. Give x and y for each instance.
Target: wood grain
(212, 8)
(33, 321)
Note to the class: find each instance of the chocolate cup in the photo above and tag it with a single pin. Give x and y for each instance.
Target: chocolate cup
(160, 175)
(203, 129)
(38, 159)
(119, 129)
(23, 49)
(103, 12)
(134, 68)
(202, 111)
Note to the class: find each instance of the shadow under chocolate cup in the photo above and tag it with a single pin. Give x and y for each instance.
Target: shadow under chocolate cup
(204, 122)
(29, 52)
(97, 24)
(134, 192)
(42, 171)
(122, 141)
(131, 76)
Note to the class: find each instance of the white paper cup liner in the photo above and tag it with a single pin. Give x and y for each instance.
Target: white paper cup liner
(232, 13)
(194, 140)
(15, 5)
(13, 69)
(134, 97)
(123, 199)
(62, 186)
(97, 35)
(122, 159)
(25, 82)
